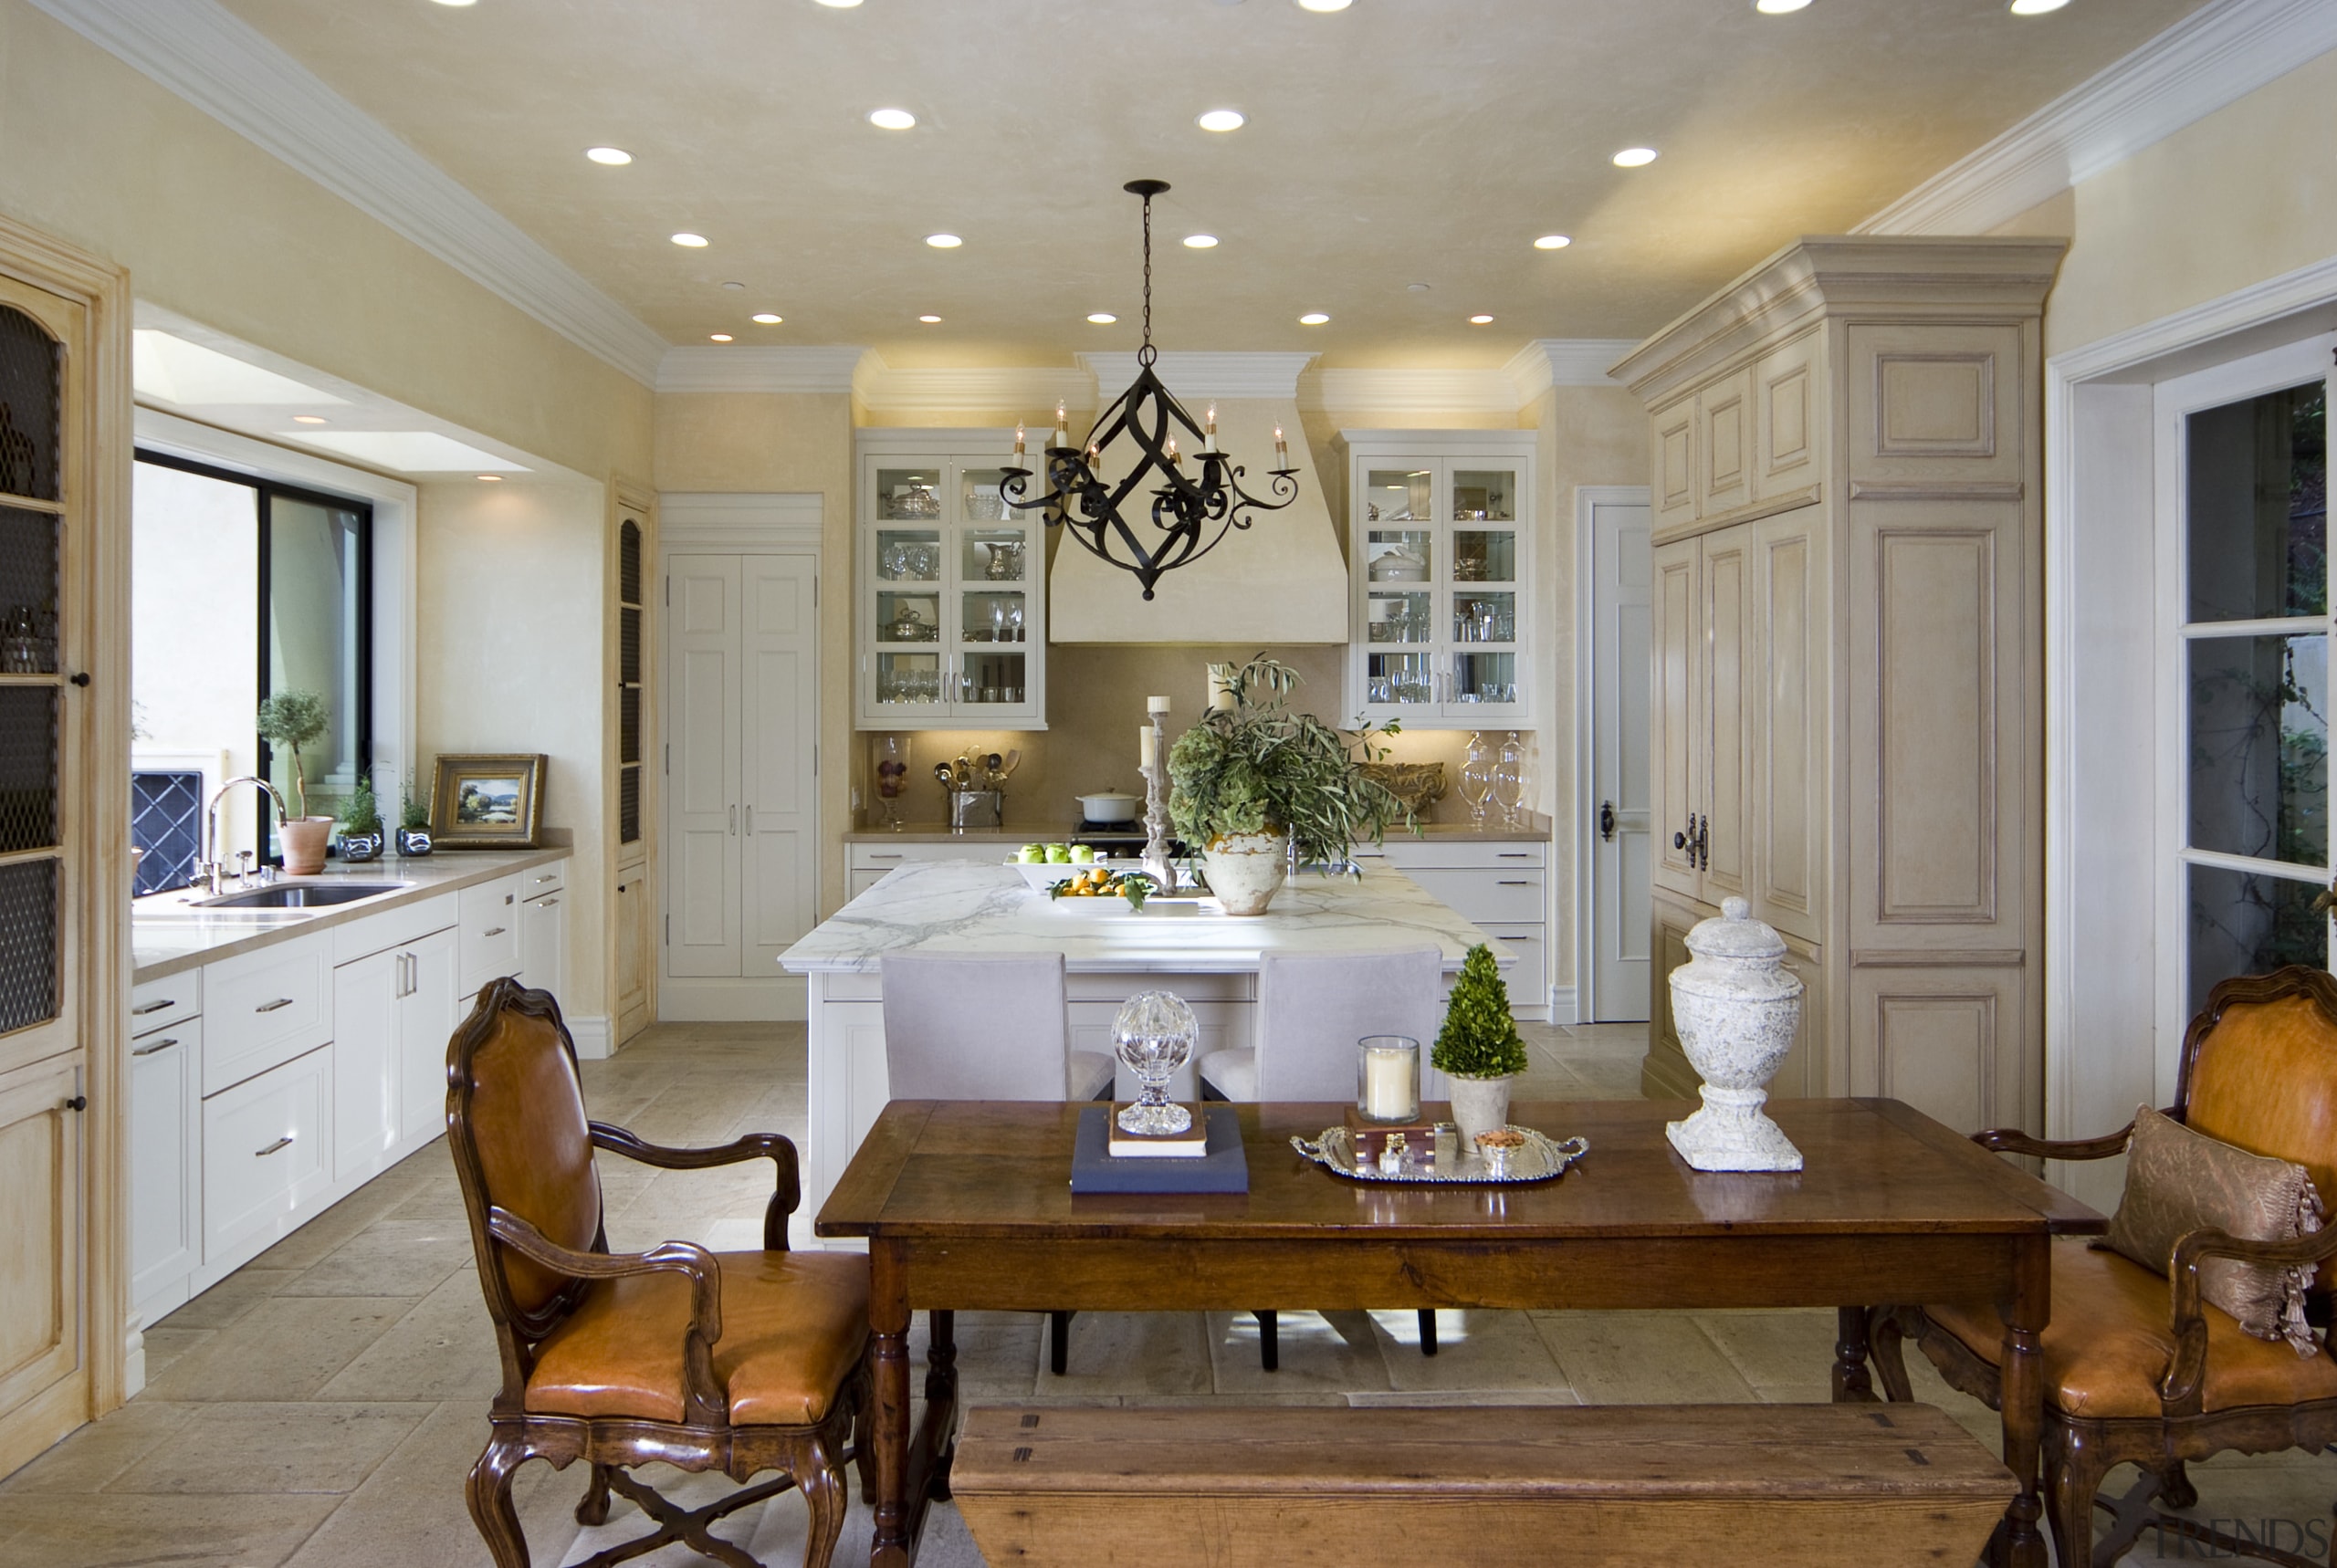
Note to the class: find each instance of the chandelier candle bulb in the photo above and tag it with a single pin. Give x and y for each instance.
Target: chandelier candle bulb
(1062, 438)
(1282, 449)
(1209, 432)
(1018, 445)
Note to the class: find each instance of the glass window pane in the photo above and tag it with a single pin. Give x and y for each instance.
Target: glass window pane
(315, 642)
(1399, 555)
(1485, 495)
(2242, 923)
(908, 555)
(2259, 746)
(908, 492)
(908, 678)
(1397, 618)
(30, 390)
(1398, 678)
(1481, 617)
(1484, 555)
(1485, 677)
(991, 617)
(2258, 507)
(978, 498)
(908, 617)
(995, 555)
(1397, 496)
(992, 678)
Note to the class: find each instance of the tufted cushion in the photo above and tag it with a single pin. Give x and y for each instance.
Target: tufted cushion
(793, 1325)
(2265, 1079)
(2110, 1342)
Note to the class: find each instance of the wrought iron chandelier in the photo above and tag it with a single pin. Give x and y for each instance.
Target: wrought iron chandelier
(1189, 513)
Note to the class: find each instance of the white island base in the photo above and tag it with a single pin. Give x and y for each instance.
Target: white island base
(1209, 958)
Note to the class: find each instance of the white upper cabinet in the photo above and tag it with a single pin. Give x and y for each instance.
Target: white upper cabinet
(1439, 531)
(951, 619)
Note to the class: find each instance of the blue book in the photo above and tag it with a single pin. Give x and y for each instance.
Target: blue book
(1222, 1169)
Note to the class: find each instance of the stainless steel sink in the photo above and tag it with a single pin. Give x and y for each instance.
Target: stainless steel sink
(301, 895)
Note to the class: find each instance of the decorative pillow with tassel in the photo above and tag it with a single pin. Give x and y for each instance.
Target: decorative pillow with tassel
(2178, 1181)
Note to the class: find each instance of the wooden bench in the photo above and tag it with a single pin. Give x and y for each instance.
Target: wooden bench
(1858, 1486)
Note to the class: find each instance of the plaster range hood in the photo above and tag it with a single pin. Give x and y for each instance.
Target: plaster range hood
(1282, 579)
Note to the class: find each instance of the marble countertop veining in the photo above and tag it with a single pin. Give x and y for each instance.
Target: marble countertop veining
(1043, 833)
(167, 935)
(951, 906)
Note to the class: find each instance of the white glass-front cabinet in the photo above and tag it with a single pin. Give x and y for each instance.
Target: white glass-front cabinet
(1440, 525)
(952, 616)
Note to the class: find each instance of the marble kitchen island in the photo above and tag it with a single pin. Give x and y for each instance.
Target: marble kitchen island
(1209, 958)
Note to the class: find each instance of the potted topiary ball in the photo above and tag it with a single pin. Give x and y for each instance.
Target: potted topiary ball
(1479, 1049)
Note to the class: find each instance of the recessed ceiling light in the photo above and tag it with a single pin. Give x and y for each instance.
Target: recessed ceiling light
(1416, 288)
(1222, 119)
(719, 337)
(891, 119)
(1553, 241)
(765, 319)
(1324, 5)
(1200, 242)
(695, 242)
(612, 156)
(1634, 157)
(310, 419)
(929, 321)
(1313, 318)
(944, 242)
(2036, 7)
(1103, 318)
(459, 3)
(1778, 7)
(734, 286)
(484, 478)
(840, 4)
(1479, 320)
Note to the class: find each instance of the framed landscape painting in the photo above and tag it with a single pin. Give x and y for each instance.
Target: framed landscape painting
(488, 802)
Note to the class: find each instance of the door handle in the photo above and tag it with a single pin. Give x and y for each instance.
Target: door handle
(271, 1007)
(1606, 821)
(282, 1143)
(750, 822)
(1704, 855)
(163, 1045)
(734, 821)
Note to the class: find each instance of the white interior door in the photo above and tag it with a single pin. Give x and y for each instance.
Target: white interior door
(1621, 566)
(702, 710)
(780, 704)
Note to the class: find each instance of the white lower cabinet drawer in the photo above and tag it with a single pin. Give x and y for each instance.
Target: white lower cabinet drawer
(165, 1174)
(1502, 897)
(1528, 979)
(266, 1007)
(266, 1152)
(489, 944)
(1405, 852)
(166, 1001)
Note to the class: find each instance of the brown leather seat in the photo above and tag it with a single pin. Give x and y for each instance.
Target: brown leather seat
(2111, 1341)
(793, 1327)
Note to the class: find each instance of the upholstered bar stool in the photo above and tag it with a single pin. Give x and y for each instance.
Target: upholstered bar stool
(739, 1362)
(986, 1026)
(1312, 1010)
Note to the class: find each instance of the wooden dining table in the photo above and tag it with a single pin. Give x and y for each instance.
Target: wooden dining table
(968, 1205)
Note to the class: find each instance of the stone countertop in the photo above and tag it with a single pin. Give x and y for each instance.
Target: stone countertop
(1537, 831)
(950, 906)
(169, 936)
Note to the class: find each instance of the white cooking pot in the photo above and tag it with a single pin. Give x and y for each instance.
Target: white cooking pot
(1111, 807)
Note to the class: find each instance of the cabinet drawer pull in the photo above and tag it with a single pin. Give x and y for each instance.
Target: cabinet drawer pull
(154, 1007)
(547, 902)
(271, 1007)
(494, 931)
(1518, 882)
(1518, 938)
(150, 1049)
(884, 857)
(283, 1143)
(545, 878)
(507, 898)
(1514, 854)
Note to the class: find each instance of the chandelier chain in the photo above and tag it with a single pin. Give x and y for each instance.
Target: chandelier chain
(1147, 355)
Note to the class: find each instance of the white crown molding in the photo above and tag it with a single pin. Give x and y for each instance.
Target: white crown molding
(1547, 362)
(714, 369)
(1197, 374)
(223, 66)
(1415, 391)
(943, 388)
(2216, 55)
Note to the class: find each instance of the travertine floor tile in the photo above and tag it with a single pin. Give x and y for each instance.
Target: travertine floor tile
(443, 1349)
(136, 1531)
(1321, 1351)
(1135, 1352)
(165, 1344)
(1772, 1350)
(286, 1348)
(88, 1458)
(1640, 1358)
(397, 1256)
(228, 1299)
(312, 1446)
(1475, 1350)
(309, 1245)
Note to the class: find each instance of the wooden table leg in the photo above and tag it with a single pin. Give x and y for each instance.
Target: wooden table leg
(2021, 1392)
(940, 1396)
(1853, 1384)
(888, 1322)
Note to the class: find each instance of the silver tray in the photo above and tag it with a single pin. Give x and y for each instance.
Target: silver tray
(1541, 1159)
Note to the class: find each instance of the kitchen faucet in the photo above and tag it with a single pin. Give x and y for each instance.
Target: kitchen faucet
(211, 866)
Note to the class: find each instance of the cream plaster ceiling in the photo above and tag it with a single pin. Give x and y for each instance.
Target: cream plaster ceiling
(1401, 141)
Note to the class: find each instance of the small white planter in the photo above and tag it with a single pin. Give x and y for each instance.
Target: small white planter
(1479, 1105)
(1246, 870)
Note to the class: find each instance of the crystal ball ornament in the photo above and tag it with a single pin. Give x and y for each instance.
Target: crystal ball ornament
(1153, 1036)
(1735, 1006)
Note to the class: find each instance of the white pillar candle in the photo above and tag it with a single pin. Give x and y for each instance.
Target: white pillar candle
(1389, 1090)
(1144, 753)
(1156, 705)
(1221, 686)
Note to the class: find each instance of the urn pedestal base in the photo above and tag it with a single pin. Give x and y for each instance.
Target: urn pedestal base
(1731, 1133)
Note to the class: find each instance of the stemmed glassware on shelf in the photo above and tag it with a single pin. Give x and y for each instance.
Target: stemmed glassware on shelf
(1509, 780)
(1477, 780)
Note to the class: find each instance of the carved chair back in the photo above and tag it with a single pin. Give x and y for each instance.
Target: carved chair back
(516, 1128)
(2259, 1069)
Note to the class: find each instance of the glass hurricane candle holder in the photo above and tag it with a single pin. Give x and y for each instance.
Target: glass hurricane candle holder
(1387, 1077)
(1153, 1036)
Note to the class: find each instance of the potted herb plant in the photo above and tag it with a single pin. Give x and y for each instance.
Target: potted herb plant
(414, 821)
(1251, 782)
(1479, 1049)
(361, 825)
(293, 718)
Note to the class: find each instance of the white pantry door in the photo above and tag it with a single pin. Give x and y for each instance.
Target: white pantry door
(702, 711)
(780, 706)
(1623, 751)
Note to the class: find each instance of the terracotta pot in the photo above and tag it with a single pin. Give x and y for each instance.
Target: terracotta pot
(1246, 870)
(303, 839)
(1479, 1104)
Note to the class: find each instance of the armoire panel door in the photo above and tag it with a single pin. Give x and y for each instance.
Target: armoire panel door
(779, 662)
(1675, 462)
(1787, 822)
(1948, 405)
(40, 1230)
(1679, 644)
(702, 788)
(1731, 694)
(1788, 419)
(1725, 428)
(1950, 1042)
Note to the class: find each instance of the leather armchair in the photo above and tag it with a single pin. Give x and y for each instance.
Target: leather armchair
(2137, 1370)
(740, 1362)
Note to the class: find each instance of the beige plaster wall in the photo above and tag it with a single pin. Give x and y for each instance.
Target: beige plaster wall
(509, 595)
(798, 443)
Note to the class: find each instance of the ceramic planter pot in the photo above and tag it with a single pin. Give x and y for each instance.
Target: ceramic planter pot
(1246, 870)
(1479, 1104)
(303, 839)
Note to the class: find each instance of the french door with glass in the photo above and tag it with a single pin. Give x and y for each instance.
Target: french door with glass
(2245, 675)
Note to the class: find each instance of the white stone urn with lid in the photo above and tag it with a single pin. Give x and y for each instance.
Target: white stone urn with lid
(1735, 1006)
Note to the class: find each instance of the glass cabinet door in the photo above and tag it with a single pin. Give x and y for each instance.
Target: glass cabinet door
(909, 598)
(1438, 554)
(997, 560)
(1481, 597)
